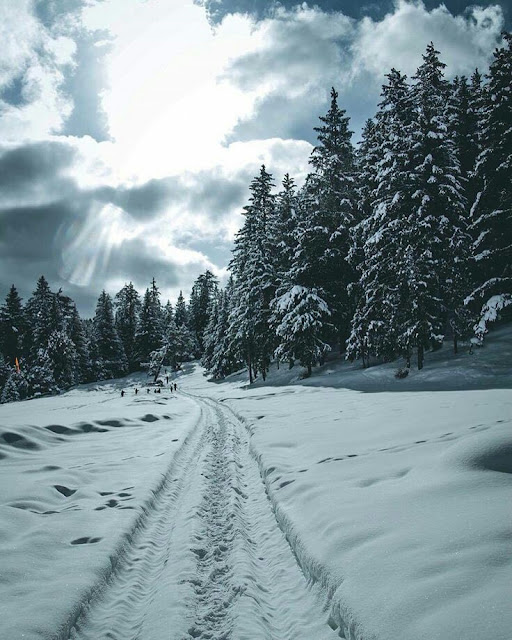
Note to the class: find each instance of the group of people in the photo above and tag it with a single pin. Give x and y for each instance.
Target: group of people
(173, 387)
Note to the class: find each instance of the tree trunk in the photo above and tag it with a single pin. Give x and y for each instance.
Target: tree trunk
(455, 343)
(309, 370)
(420, 357)
(249, 366)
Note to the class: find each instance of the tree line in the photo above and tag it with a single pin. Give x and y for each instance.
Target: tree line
(387, 249)
(46, 347)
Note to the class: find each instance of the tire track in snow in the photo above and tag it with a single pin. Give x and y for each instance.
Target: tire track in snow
(209, 561)
(249, 584)
(117, 608)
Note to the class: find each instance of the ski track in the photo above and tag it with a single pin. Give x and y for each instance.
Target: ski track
(209, 561)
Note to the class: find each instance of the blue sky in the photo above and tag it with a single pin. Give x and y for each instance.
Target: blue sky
(130, 129)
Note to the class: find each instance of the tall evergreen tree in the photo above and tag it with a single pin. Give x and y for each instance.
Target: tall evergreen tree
(203, 290)
(435, 234)
(180, 314)
(283, 226)
(127, 303)
(111, 359)
(13, 327)
(325, 241)
(41, 316)
(150, 328)
(255, 279)
(78, 336)
(385, 190)
(491, 224)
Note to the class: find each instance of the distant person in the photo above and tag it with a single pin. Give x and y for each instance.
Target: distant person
(158, 390)
(167, 379)
(136, 391)
(122, 393)
(147, 390)
(175, 387)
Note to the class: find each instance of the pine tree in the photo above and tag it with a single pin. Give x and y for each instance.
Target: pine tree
(180, 314)
(40, 374)
(209, 335)
(64, 358)
(77, 334)
(491, 225)
(255, 279)
(110, 357)
(150, 328)
(283, 228)
(127, 303)
(15, 389)
(385, 191)
(325, 241)
(41, 316)
(302, 316)
(13, 327)
(203, 290)
(224, 359)
(168, 313)
(435, 233)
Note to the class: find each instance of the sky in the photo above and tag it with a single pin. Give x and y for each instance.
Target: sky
(131, 129)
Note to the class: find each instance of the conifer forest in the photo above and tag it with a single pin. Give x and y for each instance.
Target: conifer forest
(389, 248)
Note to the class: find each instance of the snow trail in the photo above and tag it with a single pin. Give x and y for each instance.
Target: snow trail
(210, 561)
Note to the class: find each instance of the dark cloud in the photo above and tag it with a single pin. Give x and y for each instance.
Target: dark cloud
(215, 194)
(50, 226)
(260, 9)
(217, 10)
(37, 165)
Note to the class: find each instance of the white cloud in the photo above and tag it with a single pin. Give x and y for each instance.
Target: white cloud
(465, 41)
(36, 58)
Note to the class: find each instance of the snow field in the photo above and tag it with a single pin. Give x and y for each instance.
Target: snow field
(398, 504)
(78, 476)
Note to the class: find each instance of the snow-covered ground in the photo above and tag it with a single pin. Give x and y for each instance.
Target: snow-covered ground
(266, 512)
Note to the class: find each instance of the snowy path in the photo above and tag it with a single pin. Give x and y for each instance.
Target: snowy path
(208, 559)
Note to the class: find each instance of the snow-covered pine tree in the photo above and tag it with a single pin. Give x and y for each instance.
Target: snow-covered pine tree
(40, 311)
(435, 234)
(40, 376)
(183, 345)
(209, 334)
(385, 189)
(224, 360)
(283, 228)
(302, 314)
(463, 125)
(13, 327)
(325, 243)
(491, 223)
(168, 313)
(150, 328)
(62, 353)
(110, 357)
(78, 335)
(255, 281)
(16, 388)
(127, 304)
(203, 290)
(180, 314)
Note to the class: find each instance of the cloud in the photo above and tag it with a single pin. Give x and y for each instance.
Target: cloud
(465, 41)
(34, 61)
(298, 54)
(35, 173)
(84, 239)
